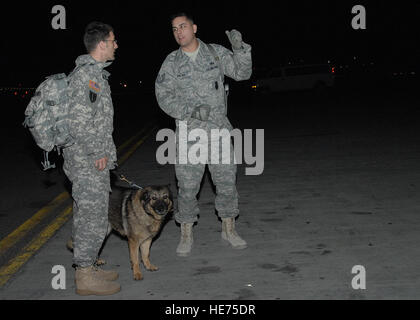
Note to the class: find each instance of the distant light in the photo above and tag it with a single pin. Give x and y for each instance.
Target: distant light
(254, 87)
(15, 93)
(333, 70)
(125, 85)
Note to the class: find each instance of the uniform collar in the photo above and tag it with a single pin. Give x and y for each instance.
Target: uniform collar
(88, 59)
(180, 55)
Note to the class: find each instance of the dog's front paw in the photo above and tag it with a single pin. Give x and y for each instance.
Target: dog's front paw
(151, 267)
(138, 276)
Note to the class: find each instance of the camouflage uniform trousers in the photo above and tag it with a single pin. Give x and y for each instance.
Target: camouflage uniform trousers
(90, 192)
(189, 178)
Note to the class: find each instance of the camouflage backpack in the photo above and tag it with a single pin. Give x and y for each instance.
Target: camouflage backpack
(46, 115)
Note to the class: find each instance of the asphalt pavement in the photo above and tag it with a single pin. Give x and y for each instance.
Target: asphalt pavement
(334, 215)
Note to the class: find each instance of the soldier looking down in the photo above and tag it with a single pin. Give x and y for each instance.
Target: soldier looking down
(189, 88)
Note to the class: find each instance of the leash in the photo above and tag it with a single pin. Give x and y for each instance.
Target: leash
(132, 184)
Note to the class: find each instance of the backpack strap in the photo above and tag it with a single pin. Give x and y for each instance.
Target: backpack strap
(46, 165)
(77, 68)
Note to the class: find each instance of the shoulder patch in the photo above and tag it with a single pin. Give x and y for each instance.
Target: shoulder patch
(94, 86)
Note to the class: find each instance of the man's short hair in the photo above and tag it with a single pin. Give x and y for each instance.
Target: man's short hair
(95, 32)
(181, 14)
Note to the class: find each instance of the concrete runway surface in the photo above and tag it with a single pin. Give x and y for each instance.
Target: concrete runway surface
(339, 189)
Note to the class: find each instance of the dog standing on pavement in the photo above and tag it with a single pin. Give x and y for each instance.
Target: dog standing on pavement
(138, 215)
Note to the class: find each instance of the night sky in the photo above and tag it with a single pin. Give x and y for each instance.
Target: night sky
(279, 32)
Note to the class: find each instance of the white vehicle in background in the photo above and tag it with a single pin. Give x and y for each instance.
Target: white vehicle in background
(290, 78)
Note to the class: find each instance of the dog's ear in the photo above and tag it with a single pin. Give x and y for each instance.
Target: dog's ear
(145, 196)
(171, 199)
(170, 193)
(168, 186)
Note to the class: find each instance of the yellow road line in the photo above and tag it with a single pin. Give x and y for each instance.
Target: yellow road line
(124, 158)
(29, 224)
(125, 144)
(14, 264)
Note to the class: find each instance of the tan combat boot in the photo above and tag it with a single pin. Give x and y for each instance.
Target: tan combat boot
(108, 275)
(88, 283)
(229, 234)
(186, 242)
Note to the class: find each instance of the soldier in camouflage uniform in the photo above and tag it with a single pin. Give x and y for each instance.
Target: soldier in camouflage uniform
(189, 88)
(88, 161)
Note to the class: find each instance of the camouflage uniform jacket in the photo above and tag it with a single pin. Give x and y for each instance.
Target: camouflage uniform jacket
(91, 115)
(183, 84)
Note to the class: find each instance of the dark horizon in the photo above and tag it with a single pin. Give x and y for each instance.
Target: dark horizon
(313, 32)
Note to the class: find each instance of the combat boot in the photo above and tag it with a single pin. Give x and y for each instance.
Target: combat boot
(229, 234)
(108, 275)
(186, 242)
(88, 283)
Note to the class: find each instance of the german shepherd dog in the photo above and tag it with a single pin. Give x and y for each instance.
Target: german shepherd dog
(138, 215)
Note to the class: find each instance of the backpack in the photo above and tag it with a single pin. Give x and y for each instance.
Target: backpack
(46, 115)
